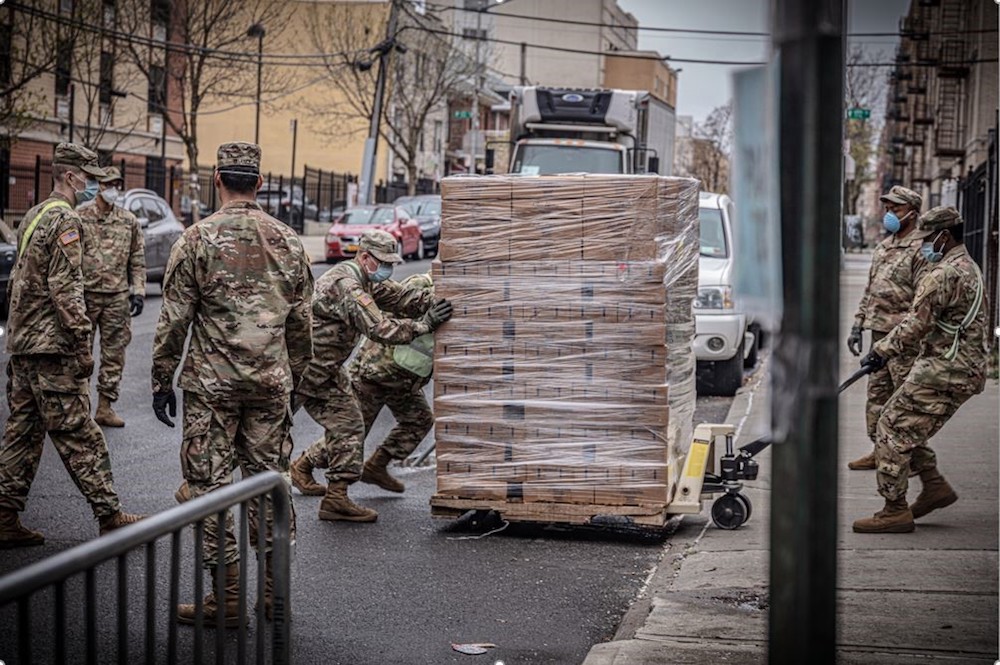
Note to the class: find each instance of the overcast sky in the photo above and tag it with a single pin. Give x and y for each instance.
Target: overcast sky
(703, 87)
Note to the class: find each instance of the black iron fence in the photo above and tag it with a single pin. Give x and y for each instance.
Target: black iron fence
(71, 625)
(978, 202)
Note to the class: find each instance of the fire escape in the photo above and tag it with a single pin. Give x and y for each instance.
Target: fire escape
(952, 70)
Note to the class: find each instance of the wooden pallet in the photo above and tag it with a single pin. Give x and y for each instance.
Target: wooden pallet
(647, 516)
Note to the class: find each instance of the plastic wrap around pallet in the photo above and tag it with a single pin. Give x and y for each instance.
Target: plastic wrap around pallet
(566, 374)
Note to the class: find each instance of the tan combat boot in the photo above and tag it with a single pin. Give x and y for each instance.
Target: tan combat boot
(337, 506)
(894, 518)
(866, 463)
(936, 493)
(117, 521)
(105, 415)
(183, 493)
(231, 602)
(301, 471)
(14, 534)
(376, 473)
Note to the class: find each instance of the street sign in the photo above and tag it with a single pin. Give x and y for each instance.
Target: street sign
(859, 114)
(462, 115)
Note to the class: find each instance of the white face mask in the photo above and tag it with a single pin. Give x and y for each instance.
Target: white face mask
(110, 195)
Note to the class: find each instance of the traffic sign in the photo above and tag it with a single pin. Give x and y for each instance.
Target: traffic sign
(859, 114)
(462, 115)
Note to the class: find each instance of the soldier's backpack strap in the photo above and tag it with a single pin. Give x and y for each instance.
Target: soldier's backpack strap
(26, 236)
(970, 316)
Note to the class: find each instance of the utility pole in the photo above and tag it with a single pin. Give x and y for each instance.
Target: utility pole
(295, 138)
(524, 63)
(474, 137)
(807, 37)
(371, 143)
(257, 30)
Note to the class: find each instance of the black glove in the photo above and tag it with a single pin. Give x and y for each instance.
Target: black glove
(161, 401)
(854, 341)
(874, 361)
(135, 305)
(439, 312)
(84, 365)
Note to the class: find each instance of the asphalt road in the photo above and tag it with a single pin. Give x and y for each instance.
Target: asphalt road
(401, 590)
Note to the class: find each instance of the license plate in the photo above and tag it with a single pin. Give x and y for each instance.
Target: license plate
(352, 248)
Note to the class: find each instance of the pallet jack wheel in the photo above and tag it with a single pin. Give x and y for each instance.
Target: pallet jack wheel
(729, 512)
(746, 504)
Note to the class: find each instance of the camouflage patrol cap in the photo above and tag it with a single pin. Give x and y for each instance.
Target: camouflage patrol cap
(76, 155)
(941, 217)
(240, 156)
(381, 245)
(902, 196)
(111, 174)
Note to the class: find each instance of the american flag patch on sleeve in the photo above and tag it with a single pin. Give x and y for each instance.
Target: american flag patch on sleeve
(69, 237)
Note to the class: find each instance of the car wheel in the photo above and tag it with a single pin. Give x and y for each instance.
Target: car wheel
(421, 254)
(399, 249)
(751, 360)
(721, 378)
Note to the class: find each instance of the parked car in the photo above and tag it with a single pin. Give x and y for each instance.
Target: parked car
(345, 232)
(426, 209)
(291, 208)
(724, 341)
(160, 228)
(8, 254)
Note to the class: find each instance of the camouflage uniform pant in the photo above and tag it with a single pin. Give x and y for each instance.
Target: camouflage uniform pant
(909, 419)
(218, 436)
(341, 450)
(43, 396)
(882, 384)
(109, 313)
(403, 393)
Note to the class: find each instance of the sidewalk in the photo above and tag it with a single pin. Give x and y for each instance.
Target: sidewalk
(929, 596)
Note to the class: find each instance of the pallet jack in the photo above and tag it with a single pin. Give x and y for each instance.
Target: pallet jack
(699, 481)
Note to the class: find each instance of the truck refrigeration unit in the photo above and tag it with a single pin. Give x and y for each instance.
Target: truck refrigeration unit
(588, 131)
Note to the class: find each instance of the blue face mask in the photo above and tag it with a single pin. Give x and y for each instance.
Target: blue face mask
(930, 254)
(383, 273)
(891, 222)
(88, 193)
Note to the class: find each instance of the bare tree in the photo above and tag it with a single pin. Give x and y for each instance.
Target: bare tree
(711, 144)
(418, 82)
(865, 87)
(202, 50)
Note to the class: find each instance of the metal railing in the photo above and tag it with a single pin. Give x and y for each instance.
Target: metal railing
(20, 586)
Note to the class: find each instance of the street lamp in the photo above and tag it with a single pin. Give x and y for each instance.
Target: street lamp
(257, 30)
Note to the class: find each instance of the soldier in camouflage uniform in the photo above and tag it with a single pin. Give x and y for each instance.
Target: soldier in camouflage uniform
(892, 280)
(240, 281)
(114, 260)
(51, 363)
(351, 300)
(395, 376)
(948, 324)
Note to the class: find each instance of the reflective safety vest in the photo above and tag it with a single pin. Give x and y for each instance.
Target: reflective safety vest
(26, 236)
(417, 357)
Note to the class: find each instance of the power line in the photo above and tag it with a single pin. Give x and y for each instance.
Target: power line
(699, 31)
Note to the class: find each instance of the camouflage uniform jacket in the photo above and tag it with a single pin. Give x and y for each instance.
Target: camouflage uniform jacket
(945, 295)
(374, 360)
(892, 280)
(242, 281)
(47, 311)
(346, 306)
(113, 249)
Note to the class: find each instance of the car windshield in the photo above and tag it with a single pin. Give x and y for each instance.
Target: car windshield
(431, 208)
(367, 216)
(713, 233)
(551, 159)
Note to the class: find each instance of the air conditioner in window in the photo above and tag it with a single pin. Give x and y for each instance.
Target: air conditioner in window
(156, 124)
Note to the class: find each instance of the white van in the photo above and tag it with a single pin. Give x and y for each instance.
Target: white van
(724, 341)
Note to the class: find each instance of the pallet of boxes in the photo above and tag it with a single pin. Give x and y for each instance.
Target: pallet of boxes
(564, 383)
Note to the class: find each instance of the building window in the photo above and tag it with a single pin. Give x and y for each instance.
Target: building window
(66, 7)
(64, 61)
(159, 11)
(104, 115)
(472, 33)
(6, 32)
(157, 89)
(438, 126)
(109, 15)
(107, 83)
(476, 5)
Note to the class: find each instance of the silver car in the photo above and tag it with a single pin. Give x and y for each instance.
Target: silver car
(160, 228)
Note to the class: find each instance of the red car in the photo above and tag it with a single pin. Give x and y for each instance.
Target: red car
(345, 232)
